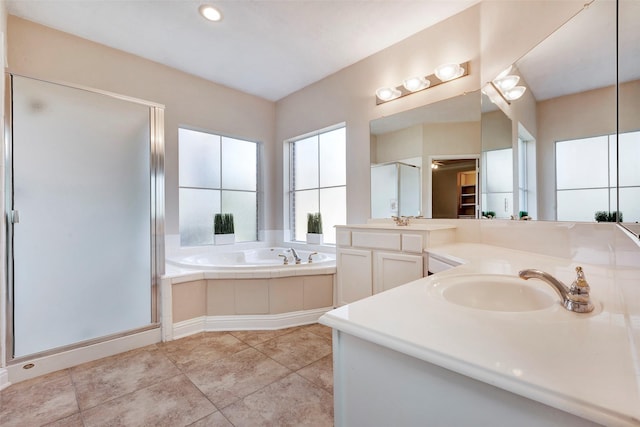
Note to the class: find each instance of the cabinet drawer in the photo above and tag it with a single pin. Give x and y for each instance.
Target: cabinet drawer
(366, 239)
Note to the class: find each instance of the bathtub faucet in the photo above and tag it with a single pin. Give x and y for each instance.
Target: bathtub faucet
(295, 255)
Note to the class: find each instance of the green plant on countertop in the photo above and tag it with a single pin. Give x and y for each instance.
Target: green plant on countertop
(604, 216)
(223, 223)
(314, 223)
(489, 214)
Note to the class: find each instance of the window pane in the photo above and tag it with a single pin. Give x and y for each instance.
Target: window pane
(629, 204)
(629, 161)
(499, 171)
(199, 163)
(581, 205)
(304, 202)
(333, 164)
(238, 164)
(305, 163)
(197, 208)
(575, 162)
(333, 206)
(242, 205)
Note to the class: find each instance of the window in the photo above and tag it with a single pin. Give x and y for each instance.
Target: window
(318, 182)
(582, 189)
(216, 174)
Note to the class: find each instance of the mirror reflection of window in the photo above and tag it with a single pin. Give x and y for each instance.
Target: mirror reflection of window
(582, 189)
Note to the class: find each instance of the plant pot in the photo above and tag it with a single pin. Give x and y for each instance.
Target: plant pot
(224, 239)
(314, 239)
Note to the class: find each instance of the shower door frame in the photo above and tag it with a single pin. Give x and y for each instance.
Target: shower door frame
(157, 220)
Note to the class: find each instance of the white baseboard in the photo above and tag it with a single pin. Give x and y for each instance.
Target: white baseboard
(247, 322)
(77, 356)
(4, 378)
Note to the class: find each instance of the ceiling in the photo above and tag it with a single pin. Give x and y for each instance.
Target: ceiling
(268, 48)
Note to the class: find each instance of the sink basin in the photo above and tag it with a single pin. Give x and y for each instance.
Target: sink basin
(496, 293)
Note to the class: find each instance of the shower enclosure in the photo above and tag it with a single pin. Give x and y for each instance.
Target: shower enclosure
(84, 200)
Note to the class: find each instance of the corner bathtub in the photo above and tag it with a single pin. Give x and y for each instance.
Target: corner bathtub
(214, 289)
(250, 259)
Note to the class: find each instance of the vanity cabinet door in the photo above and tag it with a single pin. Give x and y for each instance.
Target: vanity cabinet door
(354, 280)
(394, 269)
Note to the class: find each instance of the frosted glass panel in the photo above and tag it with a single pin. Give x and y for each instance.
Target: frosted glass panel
(499, 171)
(197, 208)
(500, 203)
(82, 248)
(581, 205)
(242, 205)
(305, 163)
(409, 203)
(333, 165)
(199, 159)
(384, 191)
(629, 160)
(239, 165)
(576, 161)
(630, 204)
(333, 202)
(305, 202)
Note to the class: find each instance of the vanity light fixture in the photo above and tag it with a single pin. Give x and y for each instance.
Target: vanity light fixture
(442, 74)
(505, 85)
(210, 13)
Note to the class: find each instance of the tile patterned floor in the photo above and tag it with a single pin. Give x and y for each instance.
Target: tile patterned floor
(212, 379)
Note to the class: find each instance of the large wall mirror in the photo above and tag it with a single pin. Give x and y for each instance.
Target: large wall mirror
(569, 148)
(424, 162)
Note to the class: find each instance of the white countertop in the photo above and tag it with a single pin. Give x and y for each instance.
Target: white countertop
(584, 364)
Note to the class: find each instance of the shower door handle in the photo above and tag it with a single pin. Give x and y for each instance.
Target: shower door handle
(15, 216)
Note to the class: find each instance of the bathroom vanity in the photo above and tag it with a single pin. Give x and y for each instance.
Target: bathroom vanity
(375, 257)
(421, 354)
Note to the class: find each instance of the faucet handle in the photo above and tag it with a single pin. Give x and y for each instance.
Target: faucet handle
(286, 258)
(580, 286)
(310, 260)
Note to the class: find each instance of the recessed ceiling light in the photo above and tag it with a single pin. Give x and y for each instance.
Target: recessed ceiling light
(209, 12)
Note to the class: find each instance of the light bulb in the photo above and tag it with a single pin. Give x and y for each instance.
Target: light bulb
(209, 12)
(504, 73)
(387, 93)
(507, 82)
(515, 93)
(448, 72)
(413, 84)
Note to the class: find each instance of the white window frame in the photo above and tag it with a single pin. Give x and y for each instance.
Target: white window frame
(288, 175)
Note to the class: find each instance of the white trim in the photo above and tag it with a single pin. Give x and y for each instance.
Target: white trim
(67, 359)
(4, 379)
(247, 322)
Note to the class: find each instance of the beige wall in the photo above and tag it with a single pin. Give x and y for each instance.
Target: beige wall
(402, 144)
(39, 51)
(492, 30)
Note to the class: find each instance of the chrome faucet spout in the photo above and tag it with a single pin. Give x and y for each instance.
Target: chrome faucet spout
(574, 298)
(295, 255)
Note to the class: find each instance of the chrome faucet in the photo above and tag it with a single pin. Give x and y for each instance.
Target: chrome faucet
(310, 260)
(574, 298)
(401, 220)
(295, 255)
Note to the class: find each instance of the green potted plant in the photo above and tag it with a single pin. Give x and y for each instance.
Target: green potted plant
(314, 228)
(223, 229)
(604, 216)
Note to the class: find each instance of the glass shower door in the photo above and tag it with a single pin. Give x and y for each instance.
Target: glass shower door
(82, 224)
